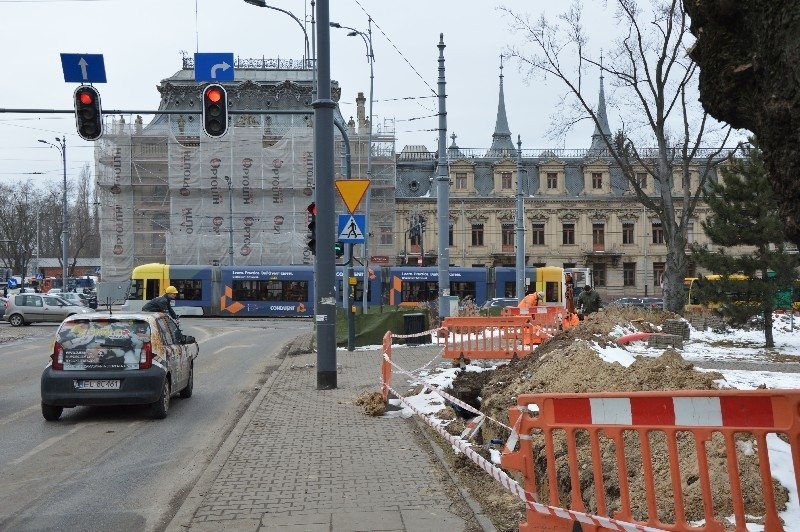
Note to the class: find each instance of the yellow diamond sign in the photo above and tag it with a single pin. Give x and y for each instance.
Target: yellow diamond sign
(352, 191)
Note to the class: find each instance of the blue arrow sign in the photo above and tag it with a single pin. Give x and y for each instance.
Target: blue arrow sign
(351, 228)
(83, 68)
(213, 67)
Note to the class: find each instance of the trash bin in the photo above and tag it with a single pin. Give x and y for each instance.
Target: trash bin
(415, 323)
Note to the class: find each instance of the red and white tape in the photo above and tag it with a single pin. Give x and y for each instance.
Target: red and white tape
(444, 394)
(513, 486)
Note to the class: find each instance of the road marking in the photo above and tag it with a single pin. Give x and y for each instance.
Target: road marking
(45, 444)
(16, 415)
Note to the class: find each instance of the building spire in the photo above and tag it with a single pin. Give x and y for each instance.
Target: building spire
(502, 145)
(601, 129)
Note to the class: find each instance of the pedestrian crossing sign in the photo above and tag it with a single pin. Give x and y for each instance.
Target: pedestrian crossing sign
(351, 228)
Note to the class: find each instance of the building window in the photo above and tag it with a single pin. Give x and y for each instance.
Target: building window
(658, 273)
(506, 180)
(461, 181)
(628, 274)
(689, 234)
(386, 236)
(599, 274)
(597, 180)
(450, 235)
(538, 234)
(598, 234)
(568, 233)
(552, 180)
(641, 179)
(477, 234)
(508, 235)
(658, 233)
(627, 233)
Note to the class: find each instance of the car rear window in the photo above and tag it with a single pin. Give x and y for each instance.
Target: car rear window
(96, 344)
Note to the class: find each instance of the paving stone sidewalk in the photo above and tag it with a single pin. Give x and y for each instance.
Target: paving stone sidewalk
(311, 460)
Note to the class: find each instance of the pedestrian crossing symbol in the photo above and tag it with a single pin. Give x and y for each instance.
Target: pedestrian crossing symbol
(351, 228)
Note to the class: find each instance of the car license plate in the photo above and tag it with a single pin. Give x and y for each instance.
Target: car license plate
(105, 384)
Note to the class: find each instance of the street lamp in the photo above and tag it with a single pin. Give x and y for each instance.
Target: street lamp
(262, 3)
(367, 38)
(230, 216)
(62, 148)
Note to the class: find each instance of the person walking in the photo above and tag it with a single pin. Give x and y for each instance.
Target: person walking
(163, 303)
(589, 301)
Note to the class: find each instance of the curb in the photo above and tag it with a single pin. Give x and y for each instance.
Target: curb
(182, 520)
(483, 521)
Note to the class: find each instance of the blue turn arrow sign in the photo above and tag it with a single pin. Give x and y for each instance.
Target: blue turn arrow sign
(213, 67)
(83, 68)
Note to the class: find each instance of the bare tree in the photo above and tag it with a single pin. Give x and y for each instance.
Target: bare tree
(84, 237)
(652, 74)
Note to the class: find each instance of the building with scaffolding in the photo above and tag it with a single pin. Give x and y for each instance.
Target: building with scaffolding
(170, 194)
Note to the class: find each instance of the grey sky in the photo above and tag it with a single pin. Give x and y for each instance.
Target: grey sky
(142, 41)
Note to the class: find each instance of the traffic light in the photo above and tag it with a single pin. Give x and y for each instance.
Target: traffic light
(88, 115)
(312, 227)
(339, 249)
(215, 111)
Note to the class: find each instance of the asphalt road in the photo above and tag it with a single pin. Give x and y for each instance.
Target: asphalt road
(114, 468)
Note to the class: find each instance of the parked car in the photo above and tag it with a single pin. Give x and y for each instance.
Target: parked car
(500, 302)
(24, 309)
(78, 299)
(102, 358)
(3, 301)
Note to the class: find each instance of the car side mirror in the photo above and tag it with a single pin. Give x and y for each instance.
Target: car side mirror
(186, 339)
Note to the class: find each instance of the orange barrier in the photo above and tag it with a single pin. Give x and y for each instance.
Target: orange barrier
(386, 368)
(481, 337)
(564, 437)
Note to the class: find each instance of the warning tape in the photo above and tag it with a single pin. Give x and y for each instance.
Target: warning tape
(445, 395)
(513, 486)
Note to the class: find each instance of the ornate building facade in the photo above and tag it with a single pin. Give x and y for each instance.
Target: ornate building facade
(164, 200)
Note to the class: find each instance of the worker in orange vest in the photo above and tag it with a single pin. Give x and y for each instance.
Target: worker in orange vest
(531, 299)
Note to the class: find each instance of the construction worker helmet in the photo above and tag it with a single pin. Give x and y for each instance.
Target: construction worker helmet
(171, 290)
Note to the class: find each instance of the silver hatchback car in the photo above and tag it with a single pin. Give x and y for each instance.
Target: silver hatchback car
(24, 309)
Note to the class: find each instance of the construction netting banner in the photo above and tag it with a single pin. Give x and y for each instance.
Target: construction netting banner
(240, 199)
(116, 221)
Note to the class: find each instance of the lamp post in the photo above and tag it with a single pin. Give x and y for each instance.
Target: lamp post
(62, 148)
(262, 3)
(367, 38)
(230, 214)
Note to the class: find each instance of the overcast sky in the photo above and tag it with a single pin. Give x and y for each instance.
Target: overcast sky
(142, 42)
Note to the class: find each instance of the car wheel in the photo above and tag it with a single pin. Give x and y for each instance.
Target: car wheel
(187, 392)
(51, 412)
(160, 408)
(16, 320)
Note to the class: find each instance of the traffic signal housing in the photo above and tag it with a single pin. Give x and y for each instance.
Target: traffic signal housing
(312, 227)
(88, 113)
(215, 111)
(339, 249)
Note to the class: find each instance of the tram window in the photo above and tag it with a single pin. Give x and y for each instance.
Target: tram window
(463, 289)
(137, 290)
(152, 289)
(188, 289)
(273, 290)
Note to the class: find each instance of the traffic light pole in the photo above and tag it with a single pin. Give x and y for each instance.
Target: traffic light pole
(325, 295)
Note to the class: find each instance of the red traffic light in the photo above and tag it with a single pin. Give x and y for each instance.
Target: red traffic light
(214, 94)
(88, 114)
(215, 111)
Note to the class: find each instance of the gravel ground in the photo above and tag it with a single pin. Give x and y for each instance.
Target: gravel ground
(37, 330)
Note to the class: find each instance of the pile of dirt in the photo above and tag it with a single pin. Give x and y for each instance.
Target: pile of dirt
(567, 363)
